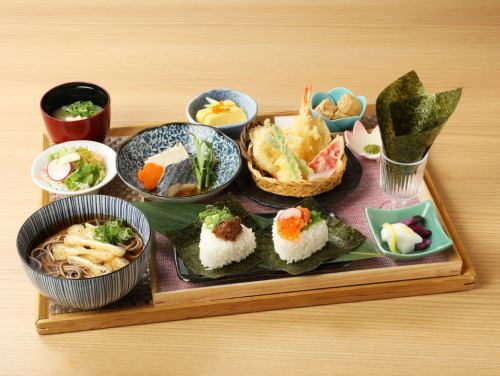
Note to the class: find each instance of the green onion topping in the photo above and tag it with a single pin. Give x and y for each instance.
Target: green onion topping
(83, 109)
(113, 232)
(213, 216)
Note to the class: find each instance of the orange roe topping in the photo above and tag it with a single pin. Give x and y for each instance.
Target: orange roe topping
(219, 108)
(150, 175)
(289, 228)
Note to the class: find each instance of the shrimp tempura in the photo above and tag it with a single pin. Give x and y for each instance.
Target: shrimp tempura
(308, 134)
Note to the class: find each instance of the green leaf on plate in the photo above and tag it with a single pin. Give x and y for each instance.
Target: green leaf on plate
(180, 223)
(342, 239)
(164, 217)
(263, 222)
(186, 243)
(365, 251)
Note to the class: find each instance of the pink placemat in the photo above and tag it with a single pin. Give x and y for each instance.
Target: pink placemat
(350, 210)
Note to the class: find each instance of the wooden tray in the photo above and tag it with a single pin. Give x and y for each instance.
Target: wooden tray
(456, 274)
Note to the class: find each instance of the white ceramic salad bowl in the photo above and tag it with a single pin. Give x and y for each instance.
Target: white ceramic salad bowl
(39, 171)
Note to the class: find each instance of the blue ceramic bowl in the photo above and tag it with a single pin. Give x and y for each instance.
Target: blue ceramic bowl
(132, 153)
(342, 124)
(440, 241)
(89, 293)
(245, 102)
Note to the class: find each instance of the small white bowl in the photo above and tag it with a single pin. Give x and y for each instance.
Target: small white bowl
(42, 160)
(359, 138)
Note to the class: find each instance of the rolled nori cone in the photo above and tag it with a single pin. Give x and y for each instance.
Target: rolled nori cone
(410, 120)
(405, 87)
(418, 121)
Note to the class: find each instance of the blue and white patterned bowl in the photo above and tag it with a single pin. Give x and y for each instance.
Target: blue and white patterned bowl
(132, 153)
(245, 102)
(89, 293)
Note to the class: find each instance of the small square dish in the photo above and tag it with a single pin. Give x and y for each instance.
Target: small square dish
(440, 241)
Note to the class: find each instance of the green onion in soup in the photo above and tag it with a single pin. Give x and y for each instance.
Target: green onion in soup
(77, 111)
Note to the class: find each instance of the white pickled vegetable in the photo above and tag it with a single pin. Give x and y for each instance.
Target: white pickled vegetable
(399, 237)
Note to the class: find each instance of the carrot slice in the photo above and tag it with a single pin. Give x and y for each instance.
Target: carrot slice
(150, 175)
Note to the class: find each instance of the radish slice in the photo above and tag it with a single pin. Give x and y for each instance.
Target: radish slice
(58, 171)
(69, 157)
(291, 212)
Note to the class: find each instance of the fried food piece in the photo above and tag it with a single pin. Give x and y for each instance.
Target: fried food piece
(62, 252)
(272, 154)
(77, 240)
(94, 269)
(348, 105)
(264, 154)
(118, 263)
(327, 108)
(308, 135)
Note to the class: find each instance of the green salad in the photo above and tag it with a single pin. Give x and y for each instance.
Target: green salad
(75, 168)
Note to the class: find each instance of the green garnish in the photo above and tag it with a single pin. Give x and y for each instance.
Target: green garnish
(113, 232)
(87, 172)
(83, 109)
(372, 149)
(213, 216)
(315, 218)
(203, 164)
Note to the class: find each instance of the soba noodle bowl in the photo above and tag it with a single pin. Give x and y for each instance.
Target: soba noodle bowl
(78, 252)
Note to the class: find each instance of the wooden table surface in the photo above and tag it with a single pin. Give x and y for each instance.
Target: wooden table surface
(153, 57)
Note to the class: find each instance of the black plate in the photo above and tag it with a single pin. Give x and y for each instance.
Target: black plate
(258, 274)
(350, 181)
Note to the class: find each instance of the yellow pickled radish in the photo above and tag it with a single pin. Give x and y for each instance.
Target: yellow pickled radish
(391, 240)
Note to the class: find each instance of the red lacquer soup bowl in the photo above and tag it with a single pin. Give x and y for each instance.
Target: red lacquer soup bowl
(94, 128)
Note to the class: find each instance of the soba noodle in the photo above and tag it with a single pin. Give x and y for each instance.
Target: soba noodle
(42, 257)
